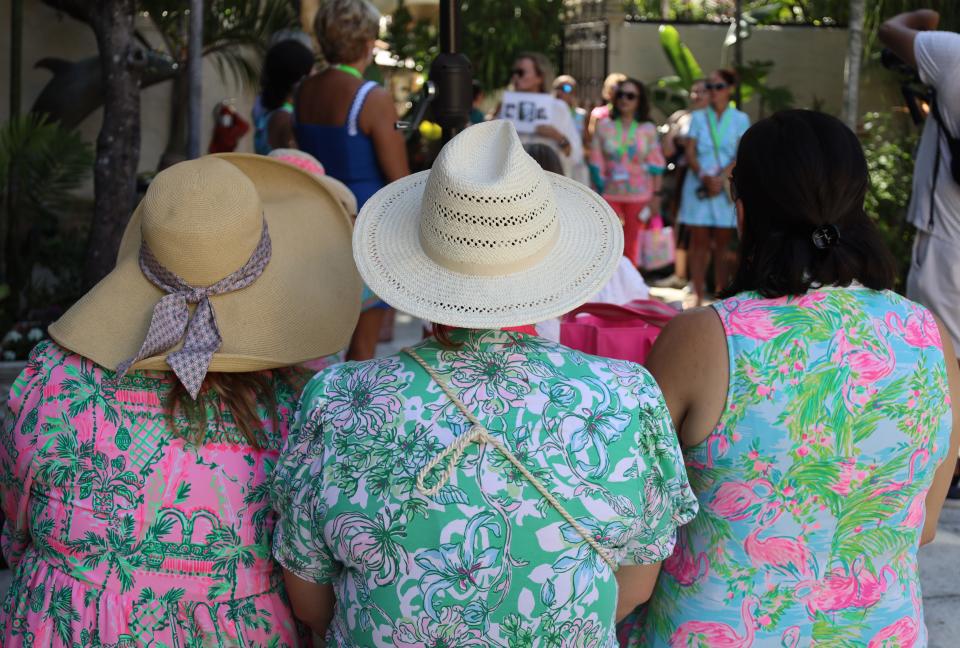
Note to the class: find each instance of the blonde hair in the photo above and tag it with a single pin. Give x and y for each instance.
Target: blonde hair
(564, 78)
(610, 85)
(543, 66)
(344, 27)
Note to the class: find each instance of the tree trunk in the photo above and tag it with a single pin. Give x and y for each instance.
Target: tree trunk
(851, 72)
(118, 145)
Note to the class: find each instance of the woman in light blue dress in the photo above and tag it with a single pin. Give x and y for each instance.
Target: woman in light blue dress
(705, 206)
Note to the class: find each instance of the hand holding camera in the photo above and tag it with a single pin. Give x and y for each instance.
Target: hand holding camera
(710, 187)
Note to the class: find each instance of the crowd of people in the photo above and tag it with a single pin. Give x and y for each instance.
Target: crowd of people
(173, 474)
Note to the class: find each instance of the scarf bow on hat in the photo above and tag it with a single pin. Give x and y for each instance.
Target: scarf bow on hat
(171, 321)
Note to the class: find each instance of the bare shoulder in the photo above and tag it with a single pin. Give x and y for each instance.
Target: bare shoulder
(693, 331)
(690, 349)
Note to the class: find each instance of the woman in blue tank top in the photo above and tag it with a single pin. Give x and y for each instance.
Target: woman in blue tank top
(348, 124)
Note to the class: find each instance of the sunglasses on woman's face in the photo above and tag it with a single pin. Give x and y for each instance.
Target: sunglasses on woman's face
(566, 87)
(629, 96)
(518, 72)
(716, 86)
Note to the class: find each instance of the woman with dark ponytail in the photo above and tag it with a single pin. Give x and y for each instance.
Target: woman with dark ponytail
(286, 63)
(814, 407)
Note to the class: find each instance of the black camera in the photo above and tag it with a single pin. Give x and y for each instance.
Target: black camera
(702, 192)
(917, 96)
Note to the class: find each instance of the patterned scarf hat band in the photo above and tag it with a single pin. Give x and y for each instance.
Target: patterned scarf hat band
(171, 321)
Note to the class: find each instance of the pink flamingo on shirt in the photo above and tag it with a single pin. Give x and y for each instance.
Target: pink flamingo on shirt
(718, 441)
(843, 589)
(920, 330)
(686, 568)
(790, 637)
(903, 632)
(786, 555)
(916, 510)
(921, 453)
(868, 365)
(734, 499)
(718, 635)
(753, 322)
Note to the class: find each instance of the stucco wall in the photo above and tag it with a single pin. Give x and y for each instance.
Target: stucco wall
(809, 61)
(48, 33)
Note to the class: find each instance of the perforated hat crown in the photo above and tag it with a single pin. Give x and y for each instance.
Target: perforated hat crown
(486, 238)
(488, 211)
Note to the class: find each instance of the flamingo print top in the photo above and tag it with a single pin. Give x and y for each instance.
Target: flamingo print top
(812, 485)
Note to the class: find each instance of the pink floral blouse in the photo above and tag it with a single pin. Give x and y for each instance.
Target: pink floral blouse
(627, 159)
(121, 533)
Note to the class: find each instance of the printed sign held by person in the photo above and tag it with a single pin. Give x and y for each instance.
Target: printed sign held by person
(526, 109)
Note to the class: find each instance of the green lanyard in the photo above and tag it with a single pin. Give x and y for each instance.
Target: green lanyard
(349, 69)
(624, 144)
(717, 131)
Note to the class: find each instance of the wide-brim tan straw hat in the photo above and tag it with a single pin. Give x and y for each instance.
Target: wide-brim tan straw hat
(486, 238)
(202, 220)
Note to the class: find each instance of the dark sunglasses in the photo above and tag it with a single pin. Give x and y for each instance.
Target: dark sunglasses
(629, 96)
(566, 87)
(518, 72)
(716, 86)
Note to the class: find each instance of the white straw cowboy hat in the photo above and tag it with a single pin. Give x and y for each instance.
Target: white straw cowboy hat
(206, 220)
(486, 238)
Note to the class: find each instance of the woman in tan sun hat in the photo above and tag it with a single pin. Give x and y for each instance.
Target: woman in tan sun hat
(134, 463)
(484, 488)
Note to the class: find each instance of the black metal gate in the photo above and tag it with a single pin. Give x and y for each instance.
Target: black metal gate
(585, 57)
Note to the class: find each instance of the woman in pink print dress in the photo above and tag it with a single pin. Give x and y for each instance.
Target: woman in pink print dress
(814, 406)
(136, 492)
(626, 163)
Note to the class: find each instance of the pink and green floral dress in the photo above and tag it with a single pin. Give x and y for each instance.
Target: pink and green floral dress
(486, 561)
(812, 485)
(121, 534)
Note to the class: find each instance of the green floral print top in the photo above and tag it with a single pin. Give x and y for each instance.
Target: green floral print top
(486, 561)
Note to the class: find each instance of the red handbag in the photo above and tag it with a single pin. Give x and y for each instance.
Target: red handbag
(624, 332)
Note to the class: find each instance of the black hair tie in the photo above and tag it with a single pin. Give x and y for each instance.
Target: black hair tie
(825, 236)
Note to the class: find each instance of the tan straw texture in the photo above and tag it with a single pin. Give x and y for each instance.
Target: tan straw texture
(202, 220)
(486, 238)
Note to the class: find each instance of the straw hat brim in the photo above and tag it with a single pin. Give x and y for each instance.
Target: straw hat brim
(393, 263)
(305, 305)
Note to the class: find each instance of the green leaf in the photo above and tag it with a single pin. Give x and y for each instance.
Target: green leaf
(681, 59)
(183, 491)
(451, 494)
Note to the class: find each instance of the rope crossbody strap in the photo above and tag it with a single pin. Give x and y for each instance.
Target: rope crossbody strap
(478, 433)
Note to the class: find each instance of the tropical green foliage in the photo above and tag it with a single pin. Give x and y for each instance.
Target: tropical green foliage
(41, 165)
(493, 32)
(681, 58)
(888, 143)
(670, 92)
(235, 32)
(811, 12)
(410, 39)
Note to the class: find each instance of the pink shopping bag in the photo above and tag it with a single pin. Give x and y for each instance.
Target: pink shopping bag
(624, 332)
(657, 247)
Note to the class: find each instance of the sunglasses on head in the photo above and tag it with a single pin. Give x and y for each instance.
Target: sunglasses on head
(518, 72)
(629, 96)
(566, 87)
(716, 86)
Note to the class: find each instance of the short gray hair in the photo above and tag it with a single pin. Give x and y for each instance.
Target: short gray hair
(344, 27)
